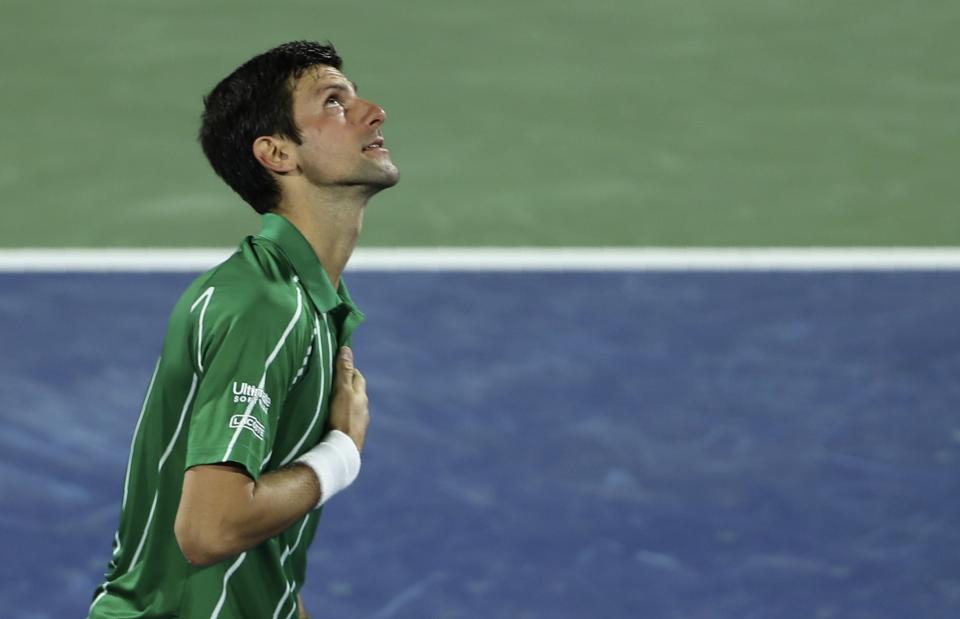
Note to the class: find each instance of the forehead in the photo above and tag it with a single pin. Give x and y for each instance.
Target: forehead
(315, 79)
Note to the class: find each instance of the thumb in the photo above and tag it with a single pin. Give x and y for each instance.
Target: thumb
(345, 363)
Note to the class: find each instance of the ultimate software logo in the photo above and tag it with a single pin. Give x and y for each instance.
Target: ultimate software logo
(243, 392)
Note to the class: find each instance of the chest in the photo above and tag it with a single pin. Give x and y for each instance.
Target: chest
(303, 416)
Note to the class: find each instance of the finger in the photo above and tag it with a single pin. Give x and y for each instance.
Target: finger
(359, 382)
(345, 367)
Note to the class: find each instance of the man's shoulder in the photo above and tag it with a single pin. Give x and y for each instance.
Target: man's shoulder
(253, 284)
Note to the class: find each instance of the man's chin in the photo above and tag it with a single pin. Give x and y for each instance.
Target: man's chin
(375, 178)
(374, 184)
(389, 175)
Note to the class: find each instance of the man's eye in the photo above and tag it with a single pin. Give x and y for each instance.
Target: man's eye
(333, 101)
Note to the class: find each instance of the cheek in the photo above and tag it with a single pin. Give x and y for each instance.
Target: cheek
(315, 149)
(323, 141)
(323, 162)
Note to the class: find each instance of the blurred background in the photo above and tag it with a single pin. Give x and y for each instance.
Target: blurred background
(580, 444)
(515, 123)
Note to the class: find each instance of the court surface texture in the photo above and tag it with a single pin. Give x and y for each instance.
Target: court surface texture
(634, 444)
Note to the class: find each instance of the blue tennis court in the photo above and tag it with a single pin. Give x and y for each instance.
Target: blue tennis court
(663, 445)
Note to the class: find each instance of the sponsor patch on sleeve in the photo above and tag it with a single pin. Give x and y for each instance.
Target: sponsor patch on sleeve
(245, 392)
(249, 423)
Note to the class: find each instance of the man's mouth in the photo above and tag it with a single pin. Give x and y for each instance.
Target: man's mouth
(374, 145)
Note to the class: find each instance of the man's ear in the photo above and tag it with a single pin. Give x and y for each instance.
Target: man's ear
(275, 154)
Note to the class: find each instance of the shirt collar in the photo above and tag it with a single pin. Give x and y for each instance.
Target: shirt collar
(301, 256)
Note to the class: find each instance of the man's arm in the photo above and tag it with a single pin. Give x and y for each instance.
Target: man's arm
(223, 511)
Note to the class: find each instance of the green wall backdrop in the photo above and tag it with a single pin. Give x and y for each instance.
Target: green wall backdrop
(611, 122)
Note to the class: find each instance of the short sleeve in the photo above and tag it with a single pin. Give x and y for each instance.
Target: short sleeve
(246, 362)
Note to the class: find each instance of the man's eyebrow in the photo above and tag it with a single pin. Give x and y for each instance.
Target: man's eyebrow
(338, 86)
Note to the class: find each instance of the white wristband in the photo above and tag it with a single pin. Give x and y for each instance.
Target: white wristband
(336, 462)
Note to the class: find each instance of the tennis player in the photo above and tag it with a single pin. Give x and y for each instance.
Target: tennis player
(255, 416)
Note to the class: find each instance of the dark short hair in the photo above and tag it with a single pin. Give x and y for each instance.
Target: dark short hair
(253, 101)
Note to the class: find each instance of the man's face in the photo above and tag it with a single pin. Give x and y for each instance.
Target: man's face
(341, 137)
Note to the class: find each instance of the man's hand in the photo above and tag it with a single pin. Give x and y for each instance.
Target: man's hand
(348, 410)
(302, 612)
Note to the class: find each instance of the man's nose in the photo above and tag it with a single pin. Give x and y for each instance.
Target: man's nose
(376, 116)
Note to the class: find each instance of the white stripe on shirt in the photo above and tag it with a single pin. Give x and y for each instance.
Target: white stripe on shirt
(263, 379)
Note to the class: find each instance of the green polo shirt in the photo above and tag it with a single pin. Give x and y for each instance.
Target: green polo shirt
(244, 376)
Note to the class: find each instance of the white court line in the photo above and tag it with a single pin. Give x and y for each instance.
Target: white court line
(508, 259)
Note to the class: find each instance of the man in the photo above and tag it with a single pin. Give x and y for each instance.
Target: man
(255, 415)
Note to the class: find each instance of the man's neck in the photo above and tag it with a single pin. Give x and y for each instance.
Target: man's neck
(331, 224)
